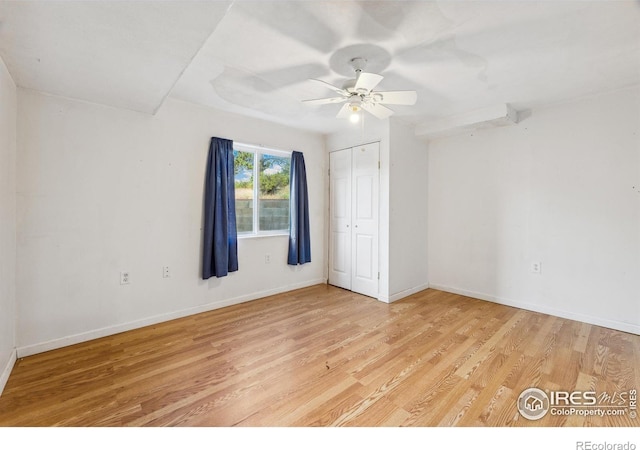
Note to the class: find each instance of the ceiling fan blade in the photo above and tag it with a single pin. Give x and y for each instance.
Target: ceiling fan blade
(381, 112)
(395, 97)
(344, 112)
(325, 101)
(331, 86)
(367, 81)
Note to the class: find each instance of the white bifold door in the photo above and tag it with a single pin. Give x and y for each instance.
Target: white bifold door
(353, 241)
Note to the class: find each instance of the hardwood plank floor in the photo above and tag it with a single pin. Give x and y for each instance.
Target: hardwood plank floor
(323, 356)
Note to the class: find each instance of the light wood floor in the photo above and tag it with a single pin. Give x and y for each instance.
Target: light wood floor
(322, 356)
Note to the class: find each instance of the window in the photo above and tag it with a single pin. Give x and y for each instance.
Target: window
(262, 190)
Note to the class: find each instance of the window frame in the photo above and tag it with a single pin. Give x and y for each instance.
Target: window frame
(257, 152)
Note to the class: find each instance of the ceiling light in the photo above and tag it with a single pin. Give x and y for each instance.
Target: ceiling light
(354, 117)
(354, 110)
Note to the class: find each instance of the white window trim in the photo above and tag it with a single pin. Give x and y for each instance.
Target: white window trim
(258, 150)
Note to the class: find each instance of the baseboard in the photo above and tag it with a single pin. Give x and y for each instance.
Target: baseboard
(29, 350)
(4, 377)
(403, 294)
(613, 324)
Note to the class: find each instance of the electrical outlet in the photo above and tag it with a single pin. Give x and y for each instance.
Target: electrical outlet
(125, 278)
(536, 267)
(267, 259)
(165, 272)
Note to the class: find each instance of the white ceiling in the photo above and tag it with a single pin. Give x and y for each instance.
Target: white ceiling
(255, 57)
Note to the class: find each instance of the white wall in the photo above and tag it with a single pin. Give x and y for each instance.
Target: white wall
(562, 188)
(7, 223)
(407, 211)
(103, 190)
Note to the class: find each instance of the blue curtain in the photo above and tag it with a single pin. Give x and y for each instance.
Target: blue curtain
(299, 241)
(220, 239)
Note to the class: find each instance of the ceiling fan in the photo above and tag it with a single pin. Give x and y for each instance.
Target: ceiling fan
(358, 94)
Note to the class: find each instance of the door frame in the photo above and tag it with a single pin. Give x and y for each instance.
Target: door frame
(375, 295)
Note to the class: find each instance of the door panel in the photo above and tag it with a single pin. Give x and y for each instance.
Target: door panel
(363, 201)
(338, 256)
(340, 219)
(364, 257)
(341, 203)
(364, 247)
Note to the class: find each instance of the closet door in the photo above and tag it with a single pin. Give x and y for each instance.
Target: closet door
(353, 234)
(364, 217)
(340, 219)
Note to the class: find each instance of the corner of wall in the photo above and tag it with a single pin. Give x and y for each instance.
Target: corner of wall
(407, 211)
(4, 377)
(8, 156)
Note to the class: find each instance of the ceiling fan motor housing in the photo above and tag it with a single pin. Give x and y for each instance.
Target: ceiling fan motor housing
(358, 64)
